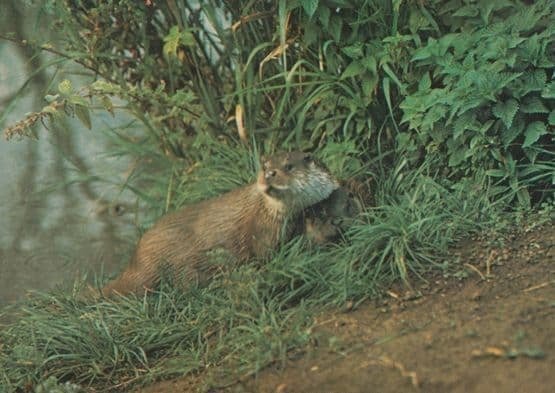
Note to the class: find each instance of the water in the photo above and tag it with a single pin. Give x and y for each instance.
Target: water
(51, 233)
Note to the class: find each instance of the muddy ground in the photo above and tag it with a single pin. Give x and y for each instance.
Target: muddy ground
(490, 328)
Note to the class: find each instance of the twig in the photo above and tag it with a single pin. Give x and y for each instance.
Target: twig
(474, 268)
(243, 20)
(542, 285)
(491, 257)
(386, 361)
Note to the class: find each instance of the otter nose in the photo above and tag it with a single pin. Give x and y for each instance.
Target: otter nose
(270, 174)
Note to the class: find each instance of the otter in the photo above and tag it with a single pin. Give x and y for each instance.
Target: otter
(327, 220)
(248, 222)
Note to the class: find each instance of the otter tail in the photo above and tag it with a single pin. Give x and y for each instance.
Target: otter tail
(129, 281)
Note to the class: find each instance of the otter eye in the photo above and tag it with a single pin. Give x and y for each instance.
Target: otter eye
(307, 158)
(288, 167)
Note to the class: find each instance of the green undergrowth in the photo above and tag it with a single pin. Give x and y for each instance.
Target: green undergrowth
(245, 318)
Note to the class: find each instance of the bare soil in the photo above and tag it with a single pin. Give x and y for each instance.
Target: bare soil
(490, 329)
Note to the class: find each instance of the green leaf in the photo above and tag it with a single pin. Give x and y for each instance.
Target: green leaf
(533, 105)
(371, 64)
(76, 99)
(551, 118)
(456, 157)
(496, 173)
(468, 10)
(533, 81)
(310, 32)
(434, 114)
(405, 142)
(394, 78)
(417, 21)
(464, 122)
(549, 91)
(496, 153)
(508, 135)
(496, 48)
(310, 6)
(187, 38)
(531, 154)
(485, 8)
(104, 87)
(83, 114)
(355, 68)
(387, 94)
(533, 133)
(353, 51)
(65, 88)
(425, 52)
(324, 16)
(369, 84)
(506, 111)
(475, 141)
(530, 50)
(107, 104)
(425, 83)
(484, 128)
(523, 198)
(445, 42)
(175, 38)
(335, 27)
(171, 42)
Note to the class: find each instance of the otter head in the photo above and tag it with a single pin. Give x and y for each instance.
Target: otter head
(295, 180)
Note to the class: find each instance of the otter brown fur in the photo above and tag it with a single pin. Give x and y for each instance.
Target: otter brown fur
(244, 223)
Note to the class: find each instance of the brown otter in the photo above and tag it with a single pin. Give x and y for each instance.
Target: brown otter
(241, 224)
(325, 221)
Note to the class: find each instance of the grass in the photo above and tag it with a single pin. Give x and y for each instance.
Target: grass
(245, 318)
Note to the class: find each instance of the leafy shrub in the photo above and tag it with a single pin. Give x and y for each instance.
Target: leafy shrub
(486, 96)
(469, 81)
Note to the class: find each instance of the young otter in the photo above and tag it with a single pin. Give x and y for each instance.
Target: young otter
(244, 223)
(325, 221)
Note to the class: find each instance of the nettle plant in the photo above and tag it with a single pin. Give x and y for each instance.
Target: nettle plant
(486, 97)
